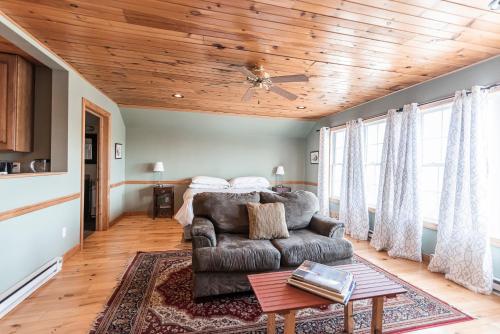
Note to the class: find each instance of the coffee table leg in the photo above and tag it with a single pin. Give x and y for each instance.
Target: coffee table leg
(377, 314)
(348, 318)
(289, 322)
(271, 323)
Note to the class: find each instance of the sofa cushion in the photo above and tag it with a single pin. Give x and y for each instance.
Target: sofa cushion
(300, 206)
(306, 245)
(237, 253)
(267, 221)
(227, 211)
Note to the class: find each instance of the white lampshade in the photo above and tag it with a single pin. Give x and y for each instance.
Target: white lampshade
(280, 170)
(158, 167)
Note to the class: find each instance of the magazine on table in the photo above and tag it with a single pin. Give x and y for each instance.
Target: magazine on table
(323, 276)
(328, 282)
(338, 298)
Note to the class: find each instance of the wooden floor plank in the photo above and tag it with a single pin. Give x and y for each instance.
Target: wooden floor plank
(70, 302)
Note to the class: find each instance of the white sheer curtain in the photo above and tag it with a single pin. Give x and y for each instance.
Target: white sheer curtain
(398, 219)
(384, 213)
(353, 209)
(463, 252)
(324, 171)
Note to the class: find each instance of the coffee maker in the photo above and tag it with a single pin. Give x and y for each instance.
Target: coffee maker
(5, 167)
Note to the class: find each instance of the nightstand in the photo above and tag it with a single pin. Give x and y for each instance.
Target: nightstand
(281, 189)
(163, 201)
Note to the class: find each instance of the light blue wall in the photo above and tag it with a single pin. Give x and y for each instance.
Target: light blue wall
(191, 144)
(28, 241)
(484, 73)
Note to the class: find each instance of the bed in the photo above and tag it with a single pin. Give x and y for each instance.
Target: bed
(185, 214)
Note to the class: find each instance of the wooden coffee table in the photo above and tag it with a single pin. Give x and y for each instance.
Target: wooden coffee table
(276, 296)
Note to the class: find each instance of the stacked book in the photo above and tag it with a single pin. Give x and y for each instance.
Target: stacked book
(325, 281)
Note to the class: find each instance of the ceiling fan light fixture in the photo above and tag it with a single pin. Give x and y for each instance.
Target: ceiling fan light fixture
(301, 107)
(494, 5)
(178, 95)
(264, 81)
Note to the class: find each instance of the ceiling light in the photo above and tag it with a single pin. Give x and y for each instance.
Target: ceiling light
(494, 5)
(301, 107)
(178, 95)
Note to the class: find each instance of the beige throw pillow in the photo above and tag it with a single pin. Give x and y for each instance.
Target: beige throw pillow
(267, 221)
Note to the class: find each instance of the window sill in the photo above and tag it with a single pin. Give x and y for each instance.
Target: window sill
(21, 175)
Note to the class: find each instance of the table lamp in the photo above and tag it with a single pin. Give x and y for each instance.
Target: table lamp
(158, 170)
(280, 171)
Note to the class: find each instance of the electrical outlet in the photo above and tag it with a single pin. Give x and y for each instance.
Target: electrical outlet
(64, 232)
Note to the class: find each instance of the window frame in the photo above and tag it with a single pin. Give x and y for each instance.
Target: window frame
(333, 146)
(372, 122)
(335, 199)
(434, 108)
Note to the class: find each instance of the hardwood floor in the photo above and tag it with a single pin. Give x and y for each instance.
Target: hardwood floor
(70, 302)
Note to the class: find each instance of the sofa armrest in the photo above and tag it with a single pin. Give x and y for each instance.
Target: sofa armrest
(327, 226)
(203, 233)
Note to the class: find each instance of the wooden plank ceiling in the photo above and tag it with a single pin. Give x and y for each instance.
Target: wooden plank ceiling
(141, 52)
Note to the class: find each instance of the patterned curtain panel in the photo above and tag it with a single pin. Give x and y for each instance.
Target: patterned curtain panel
(384, 214)
(324, 171)
(398, 219)
(463, 252)
(353, 209)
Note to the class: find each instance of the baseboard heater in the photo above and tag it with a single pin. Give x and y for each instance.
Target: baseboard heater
(22, 290)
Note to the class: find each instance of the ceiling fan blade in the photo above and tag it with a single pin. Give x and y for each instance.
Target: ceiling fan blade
(283, 92)
(247, 72)
(290, 78)
(248, 95)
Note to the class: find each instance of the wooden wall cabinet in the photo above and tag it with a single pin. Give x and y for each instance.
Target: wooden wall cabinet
(16, 104)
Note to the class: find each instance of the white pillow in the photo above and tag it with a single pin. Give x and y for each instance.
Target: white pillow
(209, 180)
(207, 186)
(249, 182)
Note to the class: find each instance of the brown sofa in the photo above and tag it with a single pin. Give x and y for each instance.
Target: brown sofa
(223, 255)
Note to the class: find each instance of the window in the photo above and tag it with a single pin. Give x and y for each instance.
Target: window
(434, 122)
(374, 141)
(337, 157)
(434, 137)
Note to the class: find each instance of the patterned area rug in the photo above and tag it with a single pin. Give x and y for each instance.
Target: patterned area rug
(154, 297)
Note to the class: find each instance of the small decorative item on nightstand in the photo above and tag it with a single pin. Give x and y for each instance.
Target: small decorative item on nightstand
(281, 189)
(163, 201)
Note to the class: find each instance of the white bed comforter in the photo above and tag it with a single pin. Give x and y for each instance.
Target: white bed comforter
(185, 214)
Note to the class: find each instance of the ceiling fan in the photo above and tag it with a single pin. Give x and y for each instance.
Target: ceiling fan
(261, 79)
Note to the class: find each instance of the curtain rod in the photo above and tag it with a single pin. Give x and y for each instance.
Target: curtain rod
(495, 85)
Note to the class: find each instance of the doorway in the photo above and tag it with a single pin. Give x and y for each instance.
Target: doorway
(90, 193)
(94, 203)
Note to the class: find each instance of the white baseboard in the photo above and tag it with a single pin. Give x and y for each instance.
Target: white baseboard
(22, 290)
